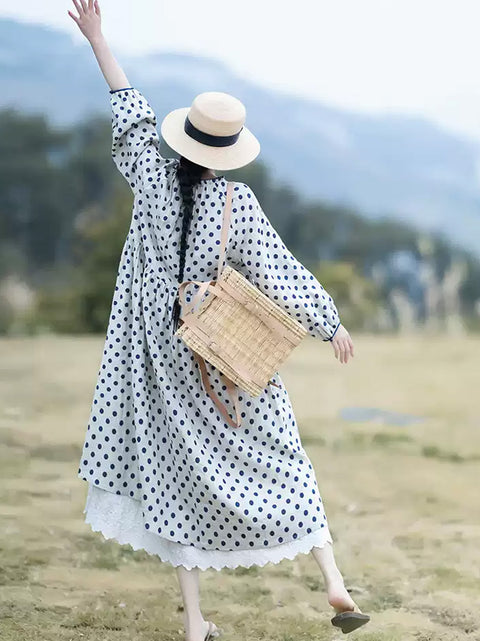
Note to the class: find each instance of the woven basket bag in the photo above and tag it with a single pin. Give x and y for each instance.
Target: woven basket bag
(236, 328)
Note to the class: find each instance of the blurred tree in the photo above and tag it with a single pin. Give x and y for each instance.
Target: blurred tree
(30, 185)
(99, 250)
(81, 300)
(64, 212)
(356, 297)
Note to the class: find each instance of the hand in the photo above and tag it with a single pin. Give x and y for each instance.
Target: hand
(89, 19)
(342, 344)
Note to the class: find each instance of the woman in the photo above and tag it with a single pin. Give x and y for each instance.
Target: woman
(166, 474)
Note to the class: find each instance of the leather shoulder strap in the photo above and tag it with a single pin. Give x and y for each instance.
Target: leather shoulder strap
(225, 227)
(231, 387)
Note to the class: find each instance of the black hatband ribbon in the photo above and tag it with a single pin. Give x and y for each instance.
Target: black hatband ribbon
(209, 139)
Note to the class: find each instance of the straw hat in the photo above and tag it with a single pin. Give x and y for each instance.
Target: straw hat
(211, 132)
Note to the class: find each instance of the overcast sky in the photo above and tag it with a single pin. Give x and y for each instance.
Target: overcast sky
(403, 56)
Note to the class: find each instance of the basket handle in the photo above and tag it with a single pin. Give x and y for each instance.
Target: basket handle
(203, 285)
(225, 227)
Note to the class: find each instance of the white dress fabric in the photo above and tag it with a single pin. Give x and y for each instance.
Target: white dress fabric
(166, 473)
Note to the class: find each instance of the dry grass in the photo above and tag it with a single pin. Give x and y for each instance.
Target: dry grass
(402, 504)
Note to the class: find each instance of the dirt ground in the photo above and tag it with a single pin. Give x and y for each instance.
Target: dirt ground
(402, 502)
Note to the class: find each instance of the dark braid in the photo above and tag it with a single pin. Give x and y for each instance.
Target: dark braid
(189, 175)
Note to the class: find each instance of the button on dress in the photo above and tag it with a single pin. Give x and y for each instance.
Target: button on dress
(165, 472)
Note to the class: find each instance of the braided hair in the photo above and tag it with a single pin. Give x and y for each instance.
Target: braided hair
(189, 175)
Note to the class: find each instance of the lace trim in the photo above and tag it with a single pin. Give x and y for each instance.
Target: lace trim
(119, 517)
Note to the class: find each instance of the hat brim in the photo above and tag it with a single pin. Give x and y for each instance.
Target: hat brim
(241, 153)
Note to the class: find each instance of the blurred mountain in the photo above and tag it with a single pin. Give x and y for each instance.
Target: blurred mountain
(398, 166)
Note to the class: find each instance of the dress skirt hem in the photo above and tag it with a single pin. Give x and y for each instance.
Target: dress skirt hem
(119, 517)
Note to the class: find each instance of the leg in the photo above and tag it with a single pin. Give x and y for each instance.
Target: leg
(337, 594)
(196, 627)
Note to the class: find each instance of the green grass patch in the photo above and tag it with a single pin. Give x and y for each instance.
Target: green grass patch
(433, 451)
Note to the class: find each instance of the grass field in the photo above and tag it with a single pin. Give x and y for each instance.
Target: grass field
(402, 502)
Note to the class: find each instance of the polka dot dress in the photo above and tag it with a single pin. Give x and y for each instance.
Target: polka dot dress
(165, 472)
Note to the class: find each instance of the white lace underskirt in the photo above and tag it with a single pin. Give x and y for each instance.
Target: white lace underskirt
(120, 518)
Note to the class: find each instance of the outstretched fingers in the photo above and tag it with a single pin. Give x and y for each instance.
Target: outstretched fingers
(97, 8)
(73, 16)
(79, 8)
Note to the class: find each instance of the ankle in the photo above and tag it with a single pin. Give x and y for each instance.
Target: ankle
(192, 620)
(334, 577)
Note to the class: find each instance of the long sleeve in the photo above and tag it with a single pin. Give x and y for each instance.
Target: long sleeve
(261, 255)
(135, 140)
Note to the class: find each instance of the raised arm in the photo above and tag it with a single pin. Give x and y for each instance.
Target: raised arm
(89, 22)
(135, 141)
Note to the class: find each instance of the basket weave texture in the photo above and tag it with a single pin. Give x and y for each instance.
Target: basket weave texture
(241, 332)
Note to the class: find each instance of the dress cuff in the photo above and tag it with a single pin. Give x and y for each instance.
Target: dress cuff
(329, 339)
(124, 89)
